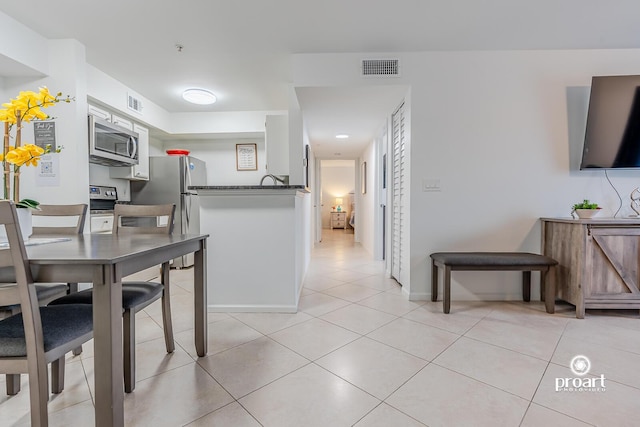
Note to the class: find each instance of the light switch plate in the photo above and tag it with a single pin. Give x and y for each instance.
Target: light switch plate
(431, 184)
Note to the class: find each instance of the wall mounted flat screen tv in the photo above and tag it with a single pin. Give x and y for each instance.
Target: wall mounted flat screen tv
(612, 137)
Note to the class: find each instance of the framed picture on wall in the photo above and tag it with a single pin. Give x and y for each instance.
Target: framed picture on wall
(246, 157)
(363, 178)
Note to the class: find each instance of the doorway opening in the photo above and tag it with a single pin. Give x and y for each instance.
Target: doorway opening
(336, 189)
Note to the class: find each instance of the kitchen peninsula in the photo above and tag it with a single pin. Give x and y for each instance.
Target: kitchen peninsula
(259, 246)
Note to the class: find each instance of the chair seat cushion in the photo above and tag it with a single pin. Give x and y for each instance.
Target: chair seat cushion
(494, 259)
(133, 294)
(60, 325)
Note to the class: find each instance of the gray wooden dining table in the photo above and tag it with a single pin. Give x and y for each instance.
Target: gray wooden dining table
(104, 259)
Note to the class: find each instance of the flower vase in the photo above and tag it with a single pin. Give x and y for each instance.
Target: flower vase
(25, 218)
(25, 221)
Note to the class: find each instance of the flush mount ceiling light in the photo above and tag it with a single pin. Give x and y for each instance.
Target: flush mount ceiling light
(342, 136)
(199, 96)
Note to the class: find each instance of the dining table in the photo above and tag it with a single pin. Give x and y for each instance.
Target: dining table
(103, 260)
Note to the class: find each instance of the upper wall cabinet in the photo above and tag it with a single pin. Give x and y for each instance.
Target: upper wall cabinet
(139, 172)
(99, 112)
(277, 144)
(122, 122)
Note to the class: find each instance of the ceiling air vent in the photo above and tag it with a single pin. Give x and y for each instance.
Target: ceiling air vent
(134, 103)
(380, 67)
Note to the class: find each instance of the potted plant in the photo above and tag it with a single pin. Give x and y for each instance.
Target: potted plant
(585, 209)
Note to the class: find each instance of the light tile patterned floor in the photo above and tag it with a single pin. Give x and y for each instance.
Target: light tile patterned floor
(358, 353)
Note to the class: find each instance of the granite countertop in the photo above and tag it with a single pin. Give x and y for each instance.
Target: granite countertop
(249, 187)
(250, 190)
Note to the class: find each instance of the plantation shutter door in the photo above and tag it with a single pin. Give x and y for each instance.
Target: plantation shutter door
(399, 190)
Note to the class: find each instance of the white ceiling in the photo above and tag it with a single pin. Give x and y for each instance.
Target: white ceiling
(241, 49)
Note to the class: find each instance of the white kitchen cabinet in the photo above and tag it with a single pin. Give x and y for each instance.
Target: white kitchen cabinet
(277, 144)
(101, 223)
(139, 172)
(99, 112)
(122, 122)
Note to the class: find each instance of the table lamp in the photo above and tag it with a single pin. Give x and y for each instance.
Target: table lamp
(339, 204)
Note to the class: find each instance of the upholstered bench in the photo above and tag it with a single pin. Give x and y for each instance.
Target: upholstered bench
(494, 261)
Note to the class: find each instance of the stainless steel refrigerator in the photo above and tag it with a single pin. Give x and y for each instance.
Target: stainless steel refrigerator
(169, 179)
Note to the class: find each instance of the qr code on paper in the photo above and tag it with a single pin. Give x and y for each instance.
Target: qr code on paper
(46, 167)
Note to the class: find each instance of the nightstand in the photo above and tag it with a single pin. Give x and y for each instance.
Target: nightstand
(338, 220)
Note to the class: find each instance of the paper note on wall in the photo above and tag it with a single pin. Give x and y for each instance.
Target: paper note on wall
(48, 171)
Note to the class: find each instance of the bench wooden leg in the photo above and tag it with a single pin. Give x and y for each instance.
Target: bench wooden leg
(434, 281)
(446, 302)
(548, 283)
(526, 286)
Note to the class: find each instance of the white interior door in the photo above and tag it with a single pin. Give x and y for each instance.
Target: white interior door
(398, 188)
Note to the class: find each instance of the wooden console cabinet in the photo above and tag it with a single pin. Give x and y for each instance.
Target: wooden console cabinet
(598, 261)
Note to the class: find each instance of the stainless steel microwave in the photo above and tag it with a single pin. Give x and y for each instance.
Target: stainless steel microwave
(111, 145)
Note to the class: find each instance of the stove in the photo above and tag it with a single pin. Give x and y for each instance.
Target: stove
(102, 199)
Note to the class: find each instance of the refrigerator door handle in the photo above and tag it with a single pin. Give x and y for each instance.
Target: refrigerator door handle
(187, 173)
(187, 212)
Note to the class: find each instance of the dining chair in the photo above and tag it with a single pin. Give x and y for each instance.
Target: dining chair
(137, 219)
(47, 292)
(67, 214)
(63, 220)
(37, 335)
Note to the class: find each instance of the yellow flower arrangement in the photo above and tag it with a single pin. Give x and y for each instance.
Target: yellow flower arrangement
(26, 107)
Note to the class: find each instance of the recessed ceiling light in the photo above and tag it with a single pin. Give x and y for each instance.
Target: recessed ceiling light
(342, 136)
(199, 96)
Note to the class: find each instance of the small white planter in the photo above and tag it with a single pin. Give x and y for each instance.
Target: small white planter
(587, 213)
(25, 219)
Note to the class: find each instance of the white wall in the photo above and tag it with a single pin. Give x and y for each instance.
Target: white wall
(494, 128)
(27, 53)
(220, 156)
(101, 175)
(338, 180)
(66, 59)
(296, 140)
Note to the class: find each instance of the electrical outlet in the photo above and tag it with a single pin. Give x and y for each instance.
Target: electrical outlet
(431, 184)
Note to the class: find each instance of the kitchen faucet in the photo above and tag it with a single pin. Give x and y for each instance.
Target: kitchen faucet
(276, 179)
